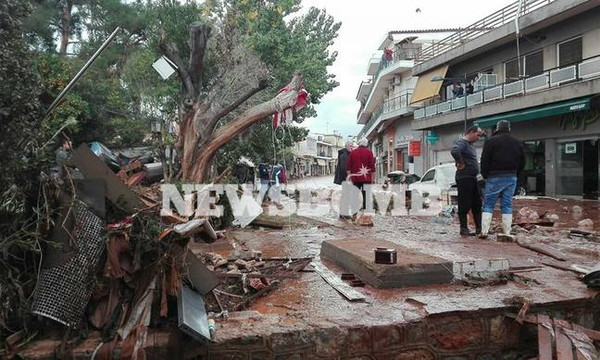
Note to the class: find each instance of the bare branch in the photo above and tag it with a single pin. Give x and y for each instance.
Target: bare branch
(263, 84)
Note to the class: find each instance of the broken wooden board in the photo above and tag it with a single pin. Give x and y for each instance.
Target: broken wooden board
(544, 337)
(336, 283)
(565, 266)
(92, 167)
(542, 249)
(564, 349)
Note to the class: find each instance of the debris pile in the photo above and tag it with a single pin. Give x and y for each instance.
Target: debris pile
(121, 268)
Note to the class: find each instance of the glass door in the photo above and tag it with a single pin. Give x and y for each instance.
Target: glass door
(569, 168)
(590, 169)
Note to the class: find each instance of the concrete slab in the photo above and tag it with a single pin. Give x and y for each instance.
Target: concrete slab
(412, 268)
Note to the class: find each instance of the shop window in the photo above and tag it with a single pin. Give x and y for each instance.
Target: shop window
(534, 64)
(570, 52)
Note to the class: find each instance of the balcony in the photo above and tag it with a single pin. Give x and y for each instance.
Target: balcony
(363, 90)
(554, 78)
(390, 109)
(373, 66)
(479, 28)
(385, 73)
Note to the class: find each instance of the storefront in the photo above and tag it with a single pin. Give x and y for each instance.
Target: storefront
(561, 145)
(405, 159)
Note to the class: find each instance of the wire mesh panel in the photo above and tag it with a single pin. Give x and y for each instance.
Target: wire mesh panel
(63, 291)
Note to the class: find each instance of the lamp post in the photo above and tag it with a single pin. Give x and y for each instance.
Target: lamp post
(462, 79)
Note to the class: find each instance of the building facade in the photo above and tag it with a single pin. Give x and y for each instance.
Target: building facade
(317, 154)
(547, 85)
(385, 109)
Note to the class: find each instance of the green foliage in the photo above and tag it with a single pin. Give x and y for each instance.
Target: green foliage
(300, 44)
(20, 138)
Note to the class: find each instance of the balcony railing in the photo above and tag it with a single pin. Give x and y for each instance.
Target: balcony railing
(398, 55)
(483, 26)
(581, 71)
(394, 104)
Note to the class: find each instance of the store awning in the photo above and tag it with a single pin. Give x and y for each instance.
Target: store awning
(559, 108)
(426, 88)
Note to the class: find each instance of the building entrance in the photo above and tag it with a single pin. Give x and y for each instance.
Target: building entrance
(577, 170)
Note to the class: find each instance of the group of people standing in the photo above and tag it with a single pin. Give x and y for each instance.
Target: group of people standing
(357, 165)
(479, 188)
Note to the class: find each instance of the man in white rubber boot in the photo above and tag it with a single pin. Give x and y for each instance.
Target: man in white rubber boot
(502, 159)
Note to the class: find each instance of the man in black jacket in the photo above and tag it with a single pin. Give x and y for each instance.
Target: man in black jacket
(467, 166)
(502, 159)
(340, 169)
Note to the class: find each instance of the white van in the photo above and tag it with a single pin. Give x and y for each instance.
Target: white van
(437, 180)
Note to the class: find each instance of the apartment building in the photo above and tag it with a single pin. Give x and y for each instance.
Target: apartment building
(317, 154)
(385, 109)
(535, 63)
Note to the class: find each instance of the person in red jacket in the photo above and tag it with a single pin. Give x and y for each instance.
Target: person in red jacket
(361, 167)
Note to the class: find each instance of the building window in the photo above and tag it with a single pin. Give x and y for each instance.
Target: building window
(511, 71)
(534, 64)
(570, 52)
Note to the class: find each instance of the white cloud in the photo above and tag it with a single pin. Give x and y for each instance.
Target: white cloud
(364, 26)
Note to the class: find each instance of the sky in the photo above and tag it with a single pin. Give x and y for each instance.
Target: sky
(365, 24)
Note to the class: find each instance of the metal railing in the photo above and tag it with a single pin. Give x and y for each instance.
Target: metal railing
(398, 55)
(581, 71)
(483, 26)
(399, 102)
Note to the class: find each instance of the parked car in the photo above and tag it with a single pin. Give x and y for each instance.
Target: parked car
(436, 180)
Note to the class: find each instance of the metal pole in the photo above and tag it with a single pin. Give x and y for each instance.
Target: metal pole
(81, 72)
(517, 34)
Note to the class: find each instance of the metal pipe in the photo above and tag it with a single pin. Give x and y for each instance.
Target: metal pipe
(81, 72)
(517, 36)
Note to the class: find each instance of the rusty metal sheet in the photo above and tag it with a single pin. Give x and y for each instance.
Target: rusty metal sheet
(544, 337)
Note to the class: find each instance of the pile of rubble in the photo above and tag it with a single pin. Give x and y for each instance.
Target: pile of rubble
(121, 268)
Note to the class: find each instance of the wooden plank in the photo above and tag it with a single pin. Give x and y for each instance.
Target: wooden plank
(337, 283)
(532, 319)
(542, 249)
(564, 348)
(544, 337)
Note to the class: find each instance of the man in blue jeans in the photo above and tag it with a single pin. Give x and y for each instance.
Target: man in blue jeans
(502, 159)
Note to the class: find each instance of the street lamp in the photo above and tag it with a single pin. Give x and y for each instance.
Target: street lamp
(463, 79)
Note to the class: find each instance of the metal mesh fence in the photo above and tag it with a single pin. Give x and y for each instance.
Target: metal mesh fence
(63, 291)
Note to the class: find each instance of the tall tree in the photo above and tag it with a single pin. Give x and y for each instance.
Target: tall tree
(219, 103)
(51, 19)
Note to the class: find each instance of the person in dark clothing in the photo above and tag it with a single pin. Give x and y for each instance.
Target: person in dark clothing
(340, 169)
(502, 159)
(457, 90)
(466, 180)
(264, 174)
